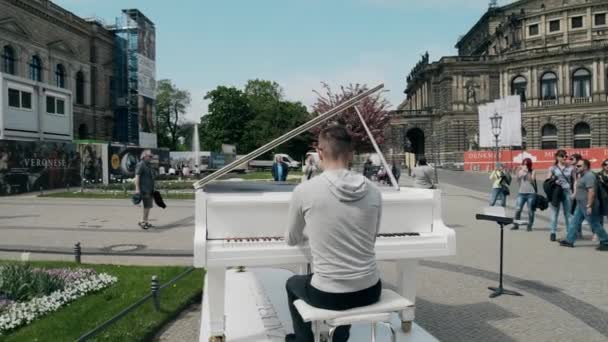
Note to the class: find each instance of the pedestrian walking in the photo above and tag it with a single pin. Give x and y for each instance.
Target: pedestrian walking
(500, 186)
(311, 168)
(572, 161)
(396, 170)
(279, 170)
(526, 176)
(368, 169)
(144, 186)
(423, 175)
(561, 182)
(587, 207)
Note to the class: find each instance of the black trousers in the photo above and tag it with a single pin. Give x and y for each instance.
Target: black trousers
(299, 287)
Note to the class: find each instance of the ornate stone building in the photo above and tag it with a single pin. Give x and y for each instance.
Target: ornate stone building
(43, 42)
(105, 74)
(553, 53)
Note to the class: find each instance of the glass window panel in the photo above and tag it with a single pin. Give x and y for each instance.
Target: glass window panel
(554, 25)
(50, 104)
(13, 98)
(600, 19)
(26, 100)
(60, 106)
(577, 22)
(533, 30)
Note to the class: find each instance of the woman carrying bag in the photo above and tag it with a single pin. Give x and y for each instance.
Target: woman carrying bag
(563, 176)
(527, 192)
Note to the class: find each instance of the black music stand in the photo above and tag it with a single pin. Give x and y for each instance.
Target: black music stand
(502, 222)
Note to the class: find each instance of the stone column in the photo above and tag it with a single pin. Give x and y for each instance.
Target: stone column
(589, 24)
(534, 82)
(529, 87)
(595, 79)
(602, 80)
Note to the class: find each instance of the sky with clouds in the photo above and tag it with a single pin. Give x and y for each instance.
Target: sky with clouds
(298, 43)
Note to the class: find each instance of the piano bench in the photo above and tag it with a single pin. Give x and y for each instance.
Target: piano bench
(380, 312)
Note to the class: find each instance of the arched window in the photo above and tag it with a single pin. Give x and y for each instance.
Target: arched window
(548, 86)
(549, 137)
(36, 69)
(60, 76)
(581, 83)
(518, 87)
(8, 60)
(79, 87)
(582, 135)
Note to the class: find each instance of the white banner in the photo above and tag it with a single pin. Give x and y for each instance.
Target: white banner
(146, 77)
(510, 133)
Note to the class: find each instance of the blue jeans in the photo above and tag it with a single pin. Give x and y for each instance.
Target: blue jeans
(594, 220)
(566, 202)
(522, 199)
(497, 194)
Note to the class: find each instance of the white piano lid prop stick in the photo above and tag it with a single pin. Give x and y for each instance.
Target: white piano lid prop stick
(287, 136)
(389, 171)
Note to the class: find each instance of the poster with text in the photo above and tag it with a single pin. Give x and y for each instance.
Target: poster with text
(33, 165)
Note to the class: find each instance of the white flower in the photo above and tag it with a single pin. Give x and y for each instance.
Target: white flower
(18, 314)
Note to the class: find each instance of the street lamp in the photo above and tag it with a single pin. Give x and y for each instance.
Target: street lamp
(496, 122)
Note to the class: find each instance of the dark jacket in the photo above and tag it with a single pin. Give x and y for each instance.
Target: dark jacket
(553, 191)
(602, 192)
(275, 172)
(158, 199)
(396, 171)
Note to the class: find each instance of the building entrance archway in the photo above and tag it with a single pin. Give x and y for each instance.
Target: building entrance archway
(414, 141)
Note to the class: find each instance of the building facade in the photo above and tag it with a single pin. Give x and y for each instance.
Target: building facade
(552, 53)
(44, 47)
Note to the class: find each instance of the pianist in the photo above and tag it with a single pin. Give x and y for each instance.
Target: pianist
(339, 211)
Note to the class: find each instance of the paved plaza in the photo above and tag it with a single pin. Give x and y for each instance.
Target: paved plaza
(565, 290)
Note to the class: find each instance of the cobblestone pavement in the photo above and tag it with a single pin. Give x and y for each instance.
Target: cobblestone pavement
(565, 290)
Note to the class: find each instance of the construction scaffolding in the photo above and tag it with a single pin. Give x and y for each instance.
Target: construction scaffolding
(133, 90)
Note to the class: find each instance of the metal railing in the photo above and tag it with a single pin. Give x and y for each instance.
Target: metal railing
(545, 103)
(581, 100)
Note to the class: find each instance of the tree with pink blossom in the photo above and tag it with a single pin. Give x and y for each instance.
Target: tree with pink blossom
(373, 109)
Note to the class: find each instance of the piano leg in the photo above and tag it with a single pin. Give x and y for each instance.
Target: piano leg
(406, 286)
(216, 281)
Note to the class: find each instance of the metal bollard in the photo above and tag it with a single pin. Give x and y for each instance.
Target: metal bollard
(41, 191)
(77, 252)
(155, 292)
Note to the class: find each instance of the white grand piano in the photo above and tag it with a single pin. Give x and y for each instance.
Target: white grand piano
(243, 224)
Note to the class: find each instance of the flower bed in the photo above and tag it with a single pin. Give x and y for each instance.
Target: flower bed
(27, 293)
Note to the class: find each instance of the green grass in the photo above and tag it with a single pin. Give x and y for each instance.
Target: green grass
(114, 195)
(266, 175)
(78, 317)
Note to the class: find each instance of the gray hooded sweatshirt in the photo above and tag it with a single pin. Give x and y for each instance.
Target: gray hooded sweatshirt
(339, 211)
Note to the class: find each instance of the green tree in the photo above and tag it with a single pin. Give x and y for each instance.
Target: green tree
(253, 117)
(229, 113)
(274, 117)
(171, 104)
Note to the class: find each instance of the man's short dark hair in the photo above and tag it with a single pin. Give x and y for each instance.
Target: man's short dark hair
(576, 156)
(422, 161)
(339, 141)
(587, 163)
